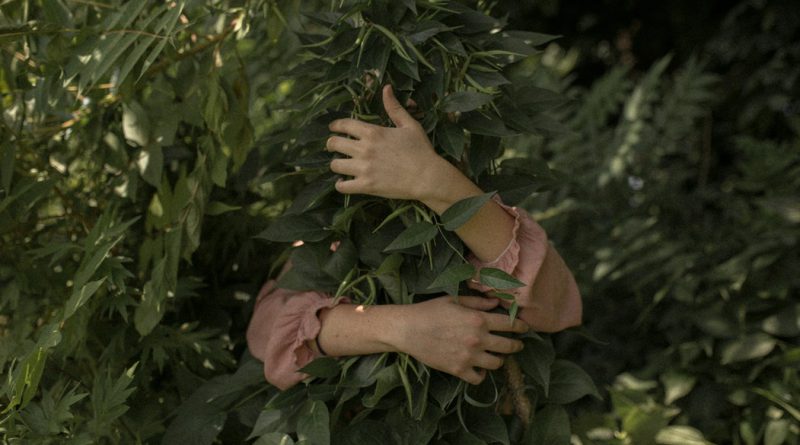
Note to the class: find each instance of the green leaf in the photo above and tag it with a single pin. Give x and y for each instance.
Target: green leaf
(680, 435)
(460, 212)
(80, 297)
(477, 123)
(343, 260)
(135, 124)
(747, 348)
(532, 38)
(218, 208)
(498, 279)
(490, 428)
(785, 323)
(151, 163)
(676, 385)
(777, 432)
(290, 228)
(313, 425)
(453, 275)
(569, 383)
(536, 359)
(451, 138)
(274, 439)
(387, 379)
(322, 367)
(151, 309)
(550, 426)
(418, 233)
(464, 101)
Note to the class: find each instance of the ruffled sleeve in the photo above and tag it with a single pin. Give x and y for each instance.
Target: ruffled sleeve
(283, 322)
(550, 300)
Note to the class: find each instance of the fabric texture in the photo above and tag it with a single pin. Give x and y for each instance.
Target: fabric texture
(550, 300)
(285, 321)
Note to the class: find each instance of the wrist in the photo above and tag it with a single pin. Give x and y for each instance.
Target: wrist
(394, 319)
(447, 186)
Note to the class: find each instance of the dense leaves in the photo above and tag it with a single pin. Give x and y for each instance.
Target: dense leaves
(158, 158)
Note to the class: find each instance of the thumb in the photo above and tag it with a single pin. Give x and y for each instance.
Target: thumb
(396, 112)
(478, 303)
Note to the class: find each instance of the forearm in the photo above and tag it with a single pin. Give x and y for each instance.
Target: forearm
(350, 329)
(489, 231)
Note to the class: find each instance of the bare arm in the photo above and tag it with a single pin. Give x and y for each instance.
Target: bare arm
(401, 163)
(454, 337)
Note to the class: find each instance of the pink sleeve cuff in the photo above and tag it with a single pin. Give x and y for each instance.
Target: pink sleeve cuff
(522, 258)
(283, 322)
(551, 304)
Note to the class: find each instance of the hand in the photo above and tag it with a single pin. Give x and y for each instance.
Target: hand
(456, 337)
(397, 162)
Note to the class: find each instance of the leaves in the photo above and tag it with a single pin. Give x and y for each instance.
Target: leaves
(418, 233)
(459, 213)
(569, 383)
(747, 348)
(312, 425)
(323, 367)
(453, 275)
(291, 228)
(498, 279)
(550, 426)
(464, 101)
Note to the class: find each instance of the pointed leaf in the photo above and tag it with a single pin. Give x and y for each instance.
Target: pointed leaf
(291, 228)
(453, 275)
(464, 101)
(498, 279)
(416, 234)
(322, 367)
(452, 139)
(460, 212)
(313, 425)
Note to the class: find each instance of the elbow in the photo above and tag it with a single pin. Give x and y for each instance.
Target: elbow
(562, 310)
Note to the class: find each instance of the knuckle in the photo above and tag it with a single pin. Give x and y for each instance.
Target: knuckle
(372, 132)
(496, 363)
(476, 320)
(472, 341)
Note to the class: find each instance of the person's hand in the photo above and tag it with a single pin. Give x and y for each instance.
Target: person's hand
(397, 162)
(456, 337)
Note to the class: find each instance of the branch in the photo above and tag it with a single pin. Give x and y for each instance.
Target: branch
(522, 405)
(212, 40)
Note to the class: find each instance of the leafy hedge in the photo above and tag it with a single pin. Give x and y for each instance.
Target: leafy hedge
(146, 144)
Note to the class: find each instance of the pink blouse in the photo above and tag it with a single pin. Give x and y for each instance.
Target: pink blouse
(284, 321)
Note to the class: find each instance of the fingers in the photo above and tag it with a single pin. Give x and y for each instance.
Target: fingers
(352, 127)
(396, 112)
(500, 323)
(349, 167)
(488, 361)
(342, 145)
(473, 376)
(502, 345)
(478, 303)
(350, 186)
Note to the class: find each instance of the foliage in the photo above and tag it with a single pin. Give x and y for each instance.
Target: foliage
(120, 124)
(144, 145)
(688, 236)
(450, 60)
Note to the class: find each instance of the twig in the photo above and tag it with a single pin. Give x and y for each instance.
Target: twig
(522, 405)
(212, 40)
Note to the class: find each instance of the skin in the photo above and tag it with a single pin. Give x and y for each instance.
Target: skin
(456, 336)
